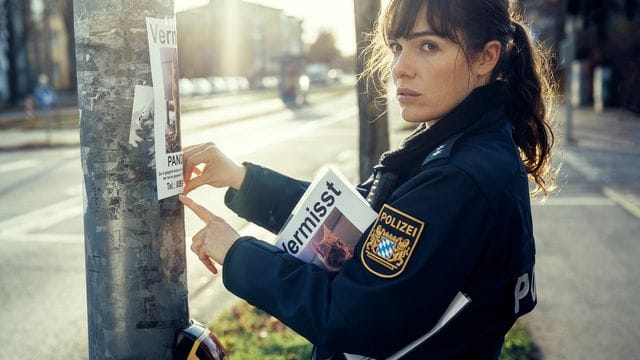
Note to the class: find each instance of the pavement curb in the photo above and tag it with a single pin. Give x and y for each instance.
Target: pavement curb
(621, 200)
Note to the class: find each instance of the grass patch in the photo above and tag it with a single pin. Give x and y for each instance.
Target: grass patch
(248, 333)
(518, 344)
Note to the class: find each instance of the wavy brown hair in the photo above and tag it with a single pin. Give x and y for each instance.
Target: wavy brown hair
(523, 65)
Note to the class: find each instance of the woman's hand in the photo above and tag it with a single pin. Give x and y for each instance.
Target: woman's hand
(212, 242)
(218, 171)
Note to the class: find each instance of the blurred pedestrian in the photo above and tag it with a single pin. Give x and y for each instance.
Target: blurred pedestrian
(45, 95)
(468, 73)
(28, 110)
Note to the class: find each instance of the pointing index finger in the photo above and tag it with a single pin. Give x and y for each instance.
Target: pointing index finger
(204, 214)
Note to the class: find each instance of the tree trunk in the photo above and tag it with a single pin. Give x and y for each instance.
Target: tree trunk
(374, 128)
(17, 57)
(134, 244)
(66, 8)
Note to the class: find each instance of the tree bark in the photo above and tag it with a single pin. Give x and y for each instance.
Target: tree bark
(66, 8)
(374, 128)
(134, 244)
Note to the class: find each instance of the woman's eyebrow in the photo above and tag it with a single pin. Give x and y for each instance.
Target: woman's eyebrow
(414, 35)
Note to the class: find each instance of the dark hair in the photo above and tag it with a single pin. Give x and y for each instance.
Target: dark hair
(523, 65)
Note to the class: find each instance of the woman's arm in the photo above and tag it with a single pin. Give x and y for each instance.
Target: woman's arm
(361, 309)
(266, 197)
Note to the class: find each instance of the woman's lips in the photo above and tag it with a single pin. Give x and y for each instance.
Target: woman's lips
(405, 95)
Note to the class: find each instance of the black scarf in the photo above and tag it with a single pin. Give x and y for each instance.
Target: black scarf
(468, 115)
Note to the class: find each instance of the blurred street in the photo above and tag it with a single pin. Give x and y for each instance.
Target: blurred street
(43, 283)
(272, 82)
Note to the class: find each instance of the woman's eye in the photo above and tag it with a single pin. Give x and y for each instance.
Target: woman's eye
(395, 48)
(429, 46)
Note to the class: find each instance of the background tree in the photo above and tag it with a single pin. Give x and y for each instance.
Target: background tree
(602, 22)
(374, 123)
(324, 49)
(65, 7)
(16, 24)
(346, 63)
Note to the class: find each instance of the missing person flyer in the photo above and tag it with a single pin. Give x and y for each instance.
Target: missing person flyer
(327, 222)
(163, 51)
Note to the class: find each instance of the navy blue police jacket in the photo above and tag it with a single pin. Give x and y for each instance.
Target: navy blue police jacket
(465, 220)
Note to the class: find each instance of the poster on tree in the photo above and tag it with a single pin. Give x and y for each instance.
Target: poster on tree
(163, 52)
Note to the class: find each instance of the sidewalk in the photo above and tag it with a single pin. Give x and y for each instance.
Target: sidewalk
(606, 150)
(613, 129)
(587, 242)
(16, 132)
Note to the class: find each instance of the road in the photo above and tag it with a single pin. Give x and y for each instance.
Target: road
(42, 281)
(586, 234)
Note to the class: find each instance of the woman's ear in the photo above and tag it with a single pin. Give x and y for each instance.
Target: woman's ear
(487, 58)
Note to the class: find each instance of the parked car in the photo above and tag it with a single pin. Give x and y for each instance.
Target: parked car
(267, 83)
(218, 84)
(232, 83)
(185, 87)
(236, 83)
(202, 86)
(318, 74)
(335, 75)
(243, 83)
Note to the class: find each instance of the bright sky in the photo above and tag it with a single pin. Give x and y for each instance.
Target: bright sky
(333, 15)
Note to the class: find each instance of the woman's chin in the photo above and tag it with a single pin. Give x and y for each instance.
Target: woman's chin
(414, 117)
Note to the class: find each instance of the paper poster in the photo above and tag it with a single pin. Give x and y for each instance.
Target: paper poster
(163, 51)
(141, 116)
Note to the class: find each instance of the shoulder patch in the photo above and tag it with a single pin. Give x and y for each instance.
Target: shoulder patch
(391, 242)
(443, 151)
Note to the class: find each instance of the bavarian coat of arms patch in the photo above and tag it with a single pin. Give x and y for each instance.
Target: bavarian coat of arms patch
(391, 242)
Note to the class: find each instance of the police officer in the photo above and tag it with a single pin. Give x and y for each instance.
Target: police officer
(467, 73)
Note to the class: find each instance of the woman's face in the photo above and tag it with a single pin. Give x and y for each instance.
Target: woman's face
(430, 72)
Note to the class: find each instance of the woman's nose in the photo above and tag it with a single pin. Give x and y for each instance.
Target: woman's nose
(402, 66)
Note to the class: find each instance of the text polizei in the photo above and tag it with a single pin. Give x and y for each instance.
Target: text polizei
(525, 285)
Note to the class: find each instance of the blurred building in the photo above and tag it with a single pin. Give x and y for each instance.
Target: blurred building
(236, 38)
(35, 38)
(225, 37)
(606, 37)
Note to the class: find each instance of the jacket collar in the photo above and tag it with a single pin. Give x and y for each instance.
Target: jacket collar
(468, 116)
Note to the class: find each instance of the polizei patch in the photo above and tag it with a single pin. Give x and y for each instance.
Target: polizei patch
(391, 242)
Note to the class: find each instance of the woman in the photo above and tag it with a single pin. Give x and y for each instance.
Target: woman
(468, 74)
